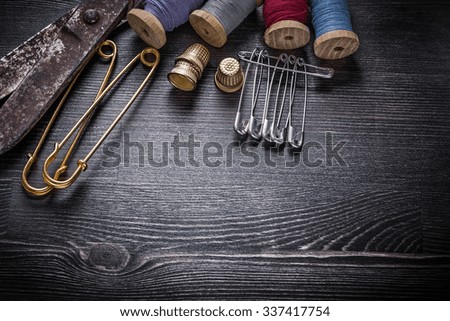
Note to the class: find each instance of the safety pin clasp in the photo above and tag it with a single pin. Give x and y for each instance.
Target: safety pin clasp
(254, 128)
(265, 130)
(240, 124)
(294, 138)
(82, 164)
(277, 135)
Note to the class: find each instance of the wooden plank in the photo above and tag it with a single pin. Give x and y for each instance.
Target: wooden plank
(436, 224)
(187, 216)
(107, 271)
(376, 228)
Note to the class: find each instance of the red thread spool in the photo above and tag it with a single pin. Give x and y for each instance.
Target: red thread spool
(285, 22)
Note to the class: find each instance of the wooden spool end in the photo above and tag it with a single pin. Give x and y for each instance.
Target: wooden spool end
(208, 27)
(286, 35)
(147, 27)
(336, 44)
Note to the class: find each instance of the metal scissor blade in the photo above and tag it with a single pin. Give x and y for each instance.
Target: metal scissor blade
(16, 65)
(74, 45)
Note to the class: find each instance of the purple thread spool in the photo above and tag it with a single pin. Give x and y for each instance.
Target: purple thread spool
(159, 17)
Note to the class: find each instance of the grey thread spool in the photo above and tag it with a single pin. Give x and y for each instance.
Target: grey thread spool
(218, 18)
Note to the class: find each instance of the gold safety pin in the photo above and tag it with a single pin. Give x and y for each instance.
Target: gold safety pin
(33, 157)
(82, 163)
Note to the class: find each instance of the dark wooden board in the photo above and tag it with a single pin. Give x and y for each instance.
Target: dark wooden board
(375, 228)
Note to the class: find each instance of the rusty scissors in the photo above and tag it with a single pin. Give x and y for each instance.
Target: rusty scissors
(36, 73)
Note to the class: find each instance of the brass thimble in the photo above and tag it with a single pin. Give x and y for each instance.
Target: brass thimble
(184, 76)
(189, 67)
(229, 76)
(196, 54)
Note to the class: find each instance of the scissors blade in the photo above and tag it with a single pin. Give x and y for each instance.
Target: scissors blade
(16, 65)
(74, 45)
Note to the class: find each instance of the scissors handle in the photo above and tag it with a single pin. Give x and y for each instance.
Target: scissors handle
(72, 46)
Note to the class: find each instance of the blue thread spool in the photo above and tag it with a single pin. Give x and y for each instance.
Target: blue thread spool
(159, 17)
(335, 37)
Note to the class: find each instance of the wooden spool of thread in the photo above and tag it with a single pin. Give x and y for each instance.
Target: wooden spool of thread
(218, 18)
(286, 24)
(159, 17)
(335, 38)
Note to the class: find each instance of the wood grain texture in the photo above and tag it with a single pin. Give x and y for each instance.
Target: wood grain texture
(106, 271)
(5, 196)
(374, 227)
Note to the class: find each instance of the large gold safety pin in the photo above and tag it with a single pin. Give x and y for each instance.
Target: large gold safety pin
(149, 57)
(110, 56)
